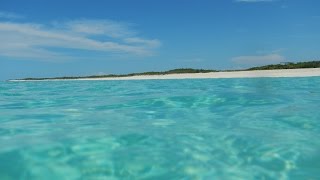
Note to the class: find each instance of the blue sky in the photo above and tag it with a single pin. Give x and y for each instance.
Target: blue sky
(65, 38)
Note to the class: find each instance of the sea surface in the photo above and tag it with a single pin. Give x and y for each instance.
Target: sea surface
(257, 128)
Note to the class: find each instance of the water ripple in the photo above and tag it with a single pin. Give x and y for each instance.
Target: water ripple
(263, 128)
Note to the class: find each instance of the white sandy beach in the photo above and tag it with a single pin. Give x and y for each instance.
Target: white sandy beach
(308, 72)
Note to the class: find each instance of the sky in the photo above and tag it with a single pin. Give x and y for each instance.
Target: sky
(42, 38)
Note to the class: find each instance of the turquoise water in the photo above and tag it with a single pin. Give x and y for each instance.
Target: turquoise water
(261, 128)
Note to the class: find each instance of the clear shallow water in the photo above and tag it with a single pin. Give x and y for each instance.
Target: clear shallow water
(264, 128)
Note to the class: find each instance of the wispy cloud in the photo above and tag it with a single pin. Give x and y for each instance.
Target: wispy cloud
(139, 41)
(275, 51)
(99, 27)
(10, 15)
(258, 59)
(43, 41)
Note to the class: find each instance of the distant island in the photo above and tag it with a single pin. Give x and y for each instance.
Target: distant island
(288, 65)
(285, 65)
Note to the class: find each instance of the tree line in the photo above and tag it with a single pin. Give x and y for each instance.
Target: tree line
(289, 65)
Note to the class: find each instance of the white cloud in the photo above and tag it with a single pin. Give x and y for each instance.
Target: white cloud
(150, 43)
(9, 15)
(275, 51)
(100, 27)
(259, 60)
(41, 41)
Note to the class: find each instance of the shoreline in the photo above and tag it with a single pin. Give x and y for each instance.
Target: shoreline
(306, 72)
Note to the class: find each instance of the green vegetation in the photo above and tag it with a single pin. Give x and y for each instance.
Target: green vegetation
(289, 65)
(174, 71)
(299, 65)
